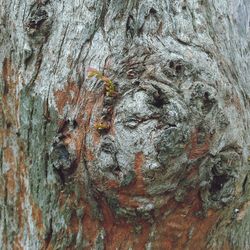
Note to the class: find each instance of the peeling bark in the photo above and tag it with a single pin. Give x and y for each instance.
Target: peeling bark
(151, 151)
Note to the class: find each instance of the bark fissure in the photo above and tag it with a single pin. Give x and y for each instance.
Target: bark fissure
(30, 125)
(61, 46)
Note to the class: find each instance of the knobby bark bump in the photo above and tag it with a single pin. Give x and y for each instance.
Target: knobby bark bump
(124, 124)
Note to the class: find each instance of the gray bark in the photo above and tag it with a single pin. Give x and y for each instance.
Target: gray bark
(160, 162)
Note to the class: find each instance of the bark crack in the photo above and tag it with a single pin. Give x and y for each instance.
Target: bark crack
(61, 46)
(30, 126)
(37, 69)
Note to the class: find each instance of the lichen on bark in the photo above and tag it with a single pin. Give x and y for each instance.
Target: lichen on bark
(162, 162)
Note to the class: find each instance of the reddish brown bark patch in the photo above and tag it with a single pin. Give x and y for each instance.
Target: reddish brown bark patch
(6, 73)
(128, 201)
(37, 217)
(22, 174)
(183, 228)
(10, 182)
(89, 155)
(235, 101)
(67, 96)
(121, 234)
(138, 187)
(17, 245)
(10, 100)
(195, 149)
(90, 227)
(112, 184)
(10, 175)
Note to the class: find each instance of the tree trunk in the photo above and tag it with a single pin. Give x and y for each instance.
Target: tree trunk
(124, 124)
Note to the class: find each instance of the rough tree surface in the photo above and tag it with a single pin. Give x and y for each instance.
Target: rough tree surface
(160, 161)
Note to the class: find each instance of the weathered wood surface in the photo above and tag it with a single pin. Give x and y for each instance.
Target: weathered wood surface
(169, 169)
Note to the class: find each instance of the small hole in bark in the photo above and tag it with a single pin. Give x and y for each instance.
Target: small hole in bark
(75, 124)
(136, 83)
(117, 169)
(171, 64)
(218, 183)
(159, 102)
(152, 11)
(178, 69)
(206, 95)
(37, 19)
(63, 126)
(208, 103)
(159, 98)
(140, 30)
(8, 125)
(61, 137)
(129, 25)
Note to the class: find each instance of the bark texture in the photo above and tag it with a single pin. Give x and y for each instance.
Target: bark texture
(160, 160)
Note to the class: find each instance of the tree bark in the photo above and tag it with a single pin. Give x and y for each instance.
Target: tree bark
(124, 124)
